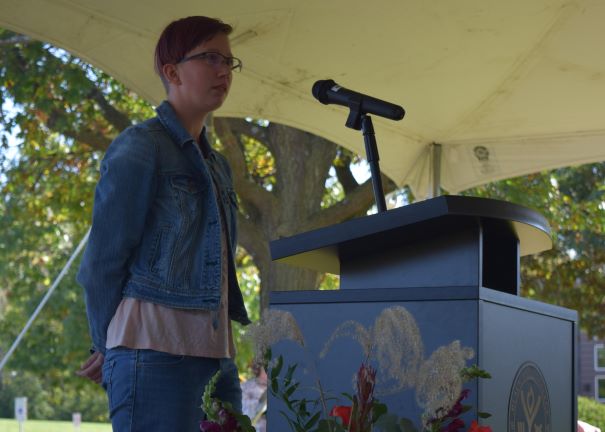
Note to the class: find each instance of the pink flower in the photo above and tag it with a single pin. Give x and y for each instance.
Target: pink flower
(227, 421)
(456, 410)
(210, 426)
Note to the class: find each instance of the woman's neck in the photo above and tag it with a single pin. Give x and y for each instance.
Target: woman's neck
(192, 122)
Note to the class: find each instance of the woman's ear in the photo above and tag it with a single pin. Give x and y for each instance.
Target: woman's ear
(171, 74)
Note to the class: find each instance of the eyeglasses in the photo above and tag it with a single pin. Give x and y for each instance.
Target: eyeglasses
(215, 60)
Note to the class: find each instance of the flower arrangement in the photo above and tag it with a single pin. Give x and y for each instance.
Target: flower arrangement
(366, 413)
(393, 360)
(220, 416)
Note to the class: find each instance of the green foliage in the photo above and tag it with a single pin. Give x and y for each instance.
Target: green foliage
(46, 402)
(365, 413)
(591, 412)
(335, 189)
(259, 162)
(472, 372)
(24, 384)
(303, 414)
(62, 113)
(249, 281)
(571, 273)
(329, 282)
(391, 423)
(208, 402)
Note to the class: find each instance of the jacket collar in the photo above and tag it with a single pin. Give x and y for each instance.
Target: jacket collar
(173, 125)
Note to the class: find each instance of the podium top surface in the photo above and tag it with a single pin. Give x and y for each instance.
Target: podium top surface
(319, 249)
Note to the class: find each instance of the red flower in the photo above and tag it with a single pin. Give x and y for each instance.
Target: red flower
(476, 428)
(344, 412)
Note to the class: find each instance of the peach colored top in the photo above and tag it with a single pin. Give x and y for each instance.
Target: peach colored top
(139, 324)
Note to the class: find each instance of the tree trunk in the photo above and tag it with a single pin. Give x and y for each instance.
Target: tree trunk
(283, 277)
(293, 205)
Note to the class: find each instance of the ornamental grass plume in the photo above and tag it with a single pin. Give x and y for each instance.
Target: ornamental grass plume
(351, 329)
(398, 349)
(439, 381)
(275, 325)
(393, 341)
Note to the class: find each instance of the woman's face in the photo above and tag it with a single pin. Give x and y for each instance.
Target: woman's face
(203, 87)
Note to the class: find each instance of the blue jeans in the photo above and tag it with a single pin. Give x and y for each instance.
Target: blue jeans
(152, 391)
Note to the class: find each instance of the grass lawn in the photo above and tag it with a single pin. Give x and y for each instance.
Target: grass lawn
(11, 425)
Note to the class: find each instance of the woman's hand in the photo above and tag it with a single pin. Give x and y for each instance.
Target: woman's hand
(92, 368)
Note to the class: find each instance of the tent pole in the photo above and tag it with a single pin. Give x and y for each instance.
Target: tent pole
(44, 300)
(435, 170)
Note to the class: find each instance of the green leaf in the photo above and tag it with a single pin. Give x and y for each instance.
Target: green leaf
(274, 386)
(378, 410)
(290, 390)
(330, 425)
(349, 396)
(303, 406)
(407, 425)
(289, 374)
(466, 408)
(276, 370)
(387, 423)
(312, 421)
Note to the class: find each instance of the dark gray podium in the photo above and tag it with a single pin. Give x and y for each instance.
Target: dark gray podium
(453, 263)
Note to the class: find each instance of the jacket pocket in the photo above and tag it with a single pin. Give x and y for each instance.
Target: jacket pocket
(188, 194)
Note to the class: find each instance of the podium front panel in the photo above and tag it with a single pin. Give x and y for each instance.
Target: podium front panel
(504, 331)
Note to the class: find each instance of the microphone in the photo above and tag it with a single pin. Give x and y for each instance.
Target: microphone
(328, 92)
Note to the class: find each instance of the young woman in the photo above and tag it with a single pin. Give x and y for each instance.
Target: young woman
(158, 271)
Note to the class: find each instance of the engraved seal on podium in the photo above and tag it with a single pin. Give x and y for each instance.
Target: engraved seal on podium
(529, 403)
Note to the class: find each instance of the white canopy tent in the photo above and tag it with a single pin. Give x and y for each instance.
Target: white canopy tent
(506, 88)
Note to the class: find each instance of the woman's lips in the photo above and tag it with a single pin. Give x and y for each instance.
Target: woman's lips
(221, 87)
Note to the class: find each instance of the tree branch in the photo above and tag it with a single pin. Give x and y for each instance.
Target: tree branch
(95, 140)
(242, 127)
(89, 137)
(354, 204)
(342, 166)
(250, 193)
(252, 238)
(116, 118)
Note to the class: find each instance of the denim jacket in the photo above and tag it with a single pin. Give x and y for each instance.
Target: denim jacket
(156, 226)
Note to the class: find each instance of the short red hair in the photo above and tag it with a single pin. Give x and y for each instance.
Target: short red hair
(181, 36)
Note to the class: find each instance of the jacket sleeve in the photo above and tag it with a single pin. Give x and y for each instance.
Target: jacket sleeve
(122, 200)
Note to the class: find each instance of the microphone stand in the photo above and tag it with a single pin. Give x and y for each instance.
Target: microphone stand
(361, 121)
